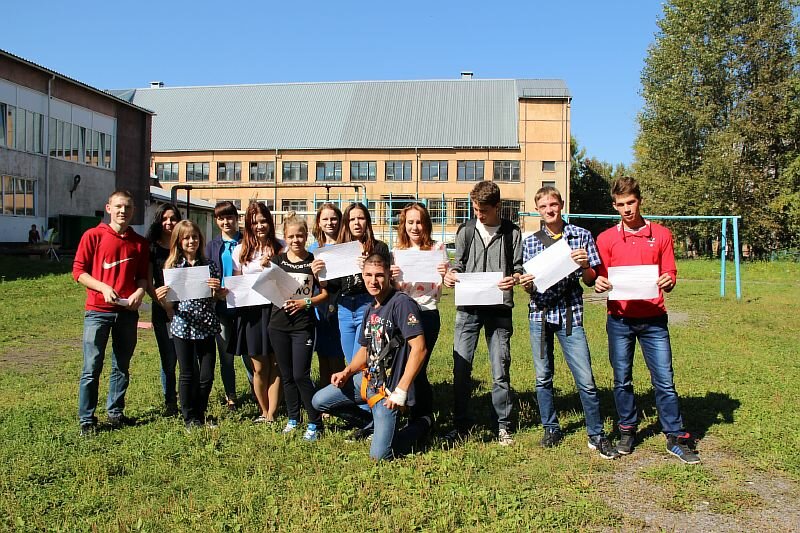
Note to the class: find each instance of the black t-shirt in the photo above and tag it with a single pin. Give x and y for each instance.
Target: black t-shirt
(301, 271)
(158, 256)
(399, 315)
(354, 285)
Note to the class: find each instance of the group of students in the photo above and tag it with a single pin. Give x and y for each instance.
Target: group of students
(373, 331)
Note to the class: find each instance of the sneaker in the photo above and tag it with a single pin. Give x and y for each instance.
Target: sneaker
(171, 409)
(627, 438)
(291, 425)
(552, 437)
(603, 447)
(120, 421)
(192, 424)
(504, 437)
(455, 436)
(211, 422)
(678, 445)
(230, 405)
(312, 433)
(360, 434)
(88, 429)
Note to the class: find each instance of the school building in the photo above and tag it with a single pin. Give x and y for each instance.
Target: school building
(64, 147)
(385, 143)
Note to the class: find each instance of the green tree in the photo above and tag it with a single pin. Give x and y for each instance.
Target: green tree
(716, 132)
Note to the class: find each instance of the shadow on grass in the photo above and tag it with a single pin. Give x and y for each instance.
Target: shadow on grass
(14, 267)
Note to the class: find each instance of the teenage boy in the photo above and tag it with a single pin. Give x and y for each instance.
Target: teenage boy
(218, 251)
(382, 372)
(558, 312)
(633, 242)
(485, 244)
(112, 263)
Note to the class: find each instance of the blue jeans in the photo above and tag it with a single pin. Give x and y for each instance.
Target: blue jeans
(576, 353)
(346, 403)
(227, 371)
(166, 350)
(653, 336)
(97, 327)
(351, 314)
(498, 327)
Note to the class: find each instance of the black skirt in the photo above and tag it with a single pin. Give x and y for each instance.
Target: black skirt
(251, 330)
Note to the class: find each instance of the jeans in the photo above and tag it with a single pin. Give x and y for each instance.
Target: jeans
(351, 315)
(576, 353)
(196, 358)
(227, 371)
(387, 443)
(166, 350)
(431, 324)
(498, 327)
(653, 335)
(97, 326)
(293, 351)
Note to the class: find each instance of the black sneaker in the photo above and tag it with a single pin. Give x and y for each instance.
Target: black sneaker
(456, 436)
(678, 445)
(603, 447)
(120, 421)
(627, 439)
(360, 434)
(171, 409)
(88, 429)
(552, 436)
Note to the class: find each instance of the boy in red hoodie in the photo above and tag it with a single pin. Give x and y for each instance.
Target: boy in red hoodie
(111, 262)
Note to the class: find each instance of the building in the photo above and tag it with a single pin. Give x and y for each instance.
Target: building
(295, 145)
(64, 148)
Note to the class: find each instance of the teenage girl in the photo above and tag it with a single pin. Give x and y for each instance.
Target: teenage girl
(159, 235)
(328, 341)
(414, 233)
(353, 298)
(291, 327)
(194, 325)
(259, 245)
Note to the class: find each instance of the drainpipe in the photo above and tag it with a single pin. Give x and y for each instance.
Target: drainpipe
(416, 152)
(47, 156)
(275, 181)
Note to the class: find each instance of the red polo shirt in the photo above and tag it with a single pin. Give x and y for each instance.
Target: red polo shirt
(651, 245)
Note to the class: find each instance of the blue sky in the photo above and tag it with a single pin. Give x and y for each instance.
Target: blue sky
(597, 47)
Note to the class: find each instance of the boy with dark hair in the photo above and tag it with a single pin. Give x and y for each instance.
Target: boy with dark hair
(218, 251)
(634, 242)
(485, 244)
(112, 263)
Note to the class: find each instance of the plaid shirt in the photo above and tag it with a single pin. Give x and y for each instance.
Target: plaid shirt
(567, 292)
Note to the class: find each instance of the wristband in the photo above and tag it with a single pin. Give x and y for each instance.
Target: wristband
(308, 302)
(398, 397)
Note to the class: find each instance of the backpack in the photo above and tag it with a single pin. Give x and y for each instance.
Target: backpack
(506, 229)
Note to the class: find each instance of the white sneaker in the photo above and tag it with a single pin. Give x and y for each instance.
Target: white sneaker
(291, 425)
(504, 437)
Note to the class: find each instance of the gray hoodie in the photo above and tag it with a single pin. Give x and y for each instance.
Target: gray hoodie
(492, 257)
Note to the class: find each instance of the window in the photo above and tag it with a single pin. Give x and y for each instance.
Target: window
(393, 205)
(293, 205)
(78, 140)
(18, 197)
(549, 184)
(197, 171)
(229, 171)
(20, 129)
(262, 171)
(295, 171)
(10, 121)
(329, 171)
(506, 171)
(3, 127)
(548, 166)
(167, 171)
(470, 171)
(434, 171)
(236, 203)
(510, 209)
(398, 171)
(363, 170)
(462, 210)
(67, 146)
(438, 211)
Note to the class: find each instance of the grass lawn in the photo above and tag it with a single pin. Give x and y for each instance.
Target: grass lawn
(737, 371)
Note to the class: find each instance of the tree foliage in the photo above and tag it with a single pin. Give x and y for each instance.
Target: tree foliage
(720, 127)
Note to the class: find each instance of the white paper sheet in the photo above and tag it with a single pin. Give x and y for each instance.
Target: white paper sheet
(241, 293)
(276, 285)
(633, 282)
(551, 265)
(340, 260)
(419, 265)
(479, 288)
(188, 283)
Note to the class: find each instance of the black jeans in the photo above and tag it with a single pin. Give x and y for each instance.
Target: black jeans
(431, 324)
(293, 352)
(196, 358)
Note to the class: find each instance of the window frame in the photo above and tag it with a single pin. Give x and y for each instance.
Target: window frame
(464, 165)
(255, 171)
(205, 167)
(335, 168)
(302, 171)
(405, 166)
(229, 168)
(507, 171)
(442, 170)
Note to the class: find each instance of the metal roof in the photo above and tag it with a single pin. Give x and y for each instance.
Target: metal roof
(459, 113)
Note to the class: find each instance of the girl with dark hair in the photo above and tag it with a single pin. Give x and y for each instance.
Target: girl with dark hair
(328, 340)
(259, 245)
(414, 233)
(194, 325)
(158, 235)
